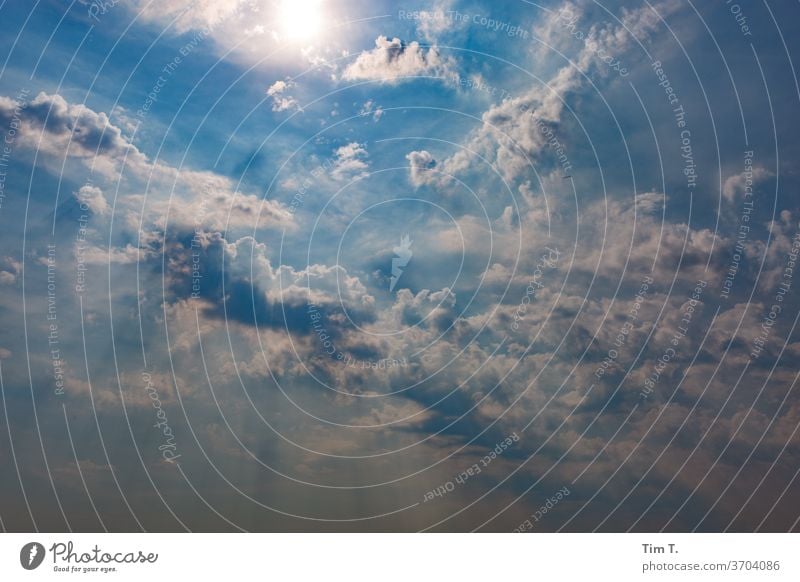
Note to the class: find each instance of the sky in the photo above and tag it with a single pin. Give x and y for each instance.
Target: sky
(338, 265)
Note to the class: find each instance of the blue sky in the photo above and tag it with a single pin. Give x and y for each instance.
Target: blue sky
(589, 210)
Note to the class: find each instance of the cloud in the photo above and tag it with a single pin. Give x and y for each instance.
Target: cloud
(92, 197)
(650, 202)
(98, 255)
(280, 101)
(51, 125)
(254, 290)
(370, 108)
(9, 269)
(193, 14)
(436, 308)
(515, 132)
(350, 162)
(435, 22)
(393, 60)
(421, 165)
(210, 202)
(194, 197)
(740, 185)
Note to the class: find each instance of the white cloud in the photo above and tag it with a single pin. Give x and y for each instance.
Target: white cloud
(103, 255)
(193, 14)
(281, 101)
(392, 60)
(51, 125)
(370, 108)
(513, 131)
(350, 162)
(92, 197)
(195, 197)
(421, 168)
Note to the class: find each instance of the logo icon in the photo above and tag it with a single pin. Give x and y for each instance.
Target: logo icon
(31, 555)
(403, 256)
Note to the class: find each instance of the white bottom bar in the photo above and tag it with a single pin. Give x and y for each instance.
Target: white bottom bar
(402, 557)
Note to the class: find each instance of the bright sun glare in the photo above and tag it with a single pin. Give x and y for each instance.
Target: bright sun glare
(300, 19)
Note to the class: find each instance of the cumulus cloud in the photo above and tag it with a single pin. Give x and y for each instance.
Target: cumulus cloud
(515, 132)
(255, 291)
(98, 255)
(211, 203)
(280, 100)
(435, 308)
(92, 197)
(371, 108)
(51, 125)
(393, 60)
(320, 285)
(350, 162)
(196, 197)
(650, 202)
(421, 163)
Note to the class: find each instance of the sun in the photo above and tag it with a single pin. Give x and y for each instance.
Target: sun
(300, 19)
